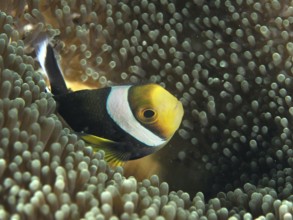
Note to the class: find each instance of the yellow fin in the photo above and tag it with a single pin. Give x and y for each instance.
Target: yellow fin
(113, 154)
(95, 140)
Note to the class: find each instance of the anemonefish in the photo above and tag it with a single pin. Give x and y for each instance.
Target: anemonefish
(127, 122)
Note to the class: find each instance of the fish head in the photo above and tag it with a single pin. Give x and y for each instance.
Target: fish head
(156, 109)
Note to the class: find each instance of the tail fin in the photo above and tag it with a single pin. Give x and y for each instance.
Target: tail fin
(48, 62)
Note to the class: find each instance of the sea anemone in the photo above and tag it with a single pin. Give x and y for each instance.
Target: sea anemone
(229, 62)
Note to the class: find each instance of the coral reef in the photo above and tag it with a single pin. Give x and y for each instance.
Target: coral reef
(230, 63)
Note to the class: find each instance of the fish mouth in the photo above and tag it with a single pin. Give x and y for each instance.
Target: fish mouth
(178, 105)
(179, 108)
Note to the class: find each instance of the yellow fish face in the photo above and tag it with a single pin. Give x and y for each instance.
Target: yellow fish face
(156, 109)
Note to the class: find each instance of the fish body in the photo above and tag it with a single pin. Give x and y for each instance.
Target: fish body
(127, 122)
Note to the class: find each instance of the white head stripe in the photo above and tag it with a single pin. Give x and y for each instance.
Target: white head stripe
(119, 110)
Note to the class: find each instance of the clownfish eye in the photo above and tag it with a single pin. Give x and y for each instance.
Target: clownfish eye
(147, 115)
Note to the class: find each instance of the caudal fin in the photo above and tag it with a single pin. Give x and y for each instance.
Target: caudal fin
(46, 57)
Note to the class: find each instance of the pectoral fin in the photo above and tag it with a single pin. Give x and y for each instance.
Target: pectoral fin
(113, 153)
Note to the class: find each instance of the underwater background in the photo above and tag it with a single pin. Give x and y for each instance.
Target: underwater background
(229, 62)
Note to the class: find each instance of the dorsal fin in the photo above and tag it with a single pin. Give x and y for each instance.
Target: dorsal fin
(49, 64)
